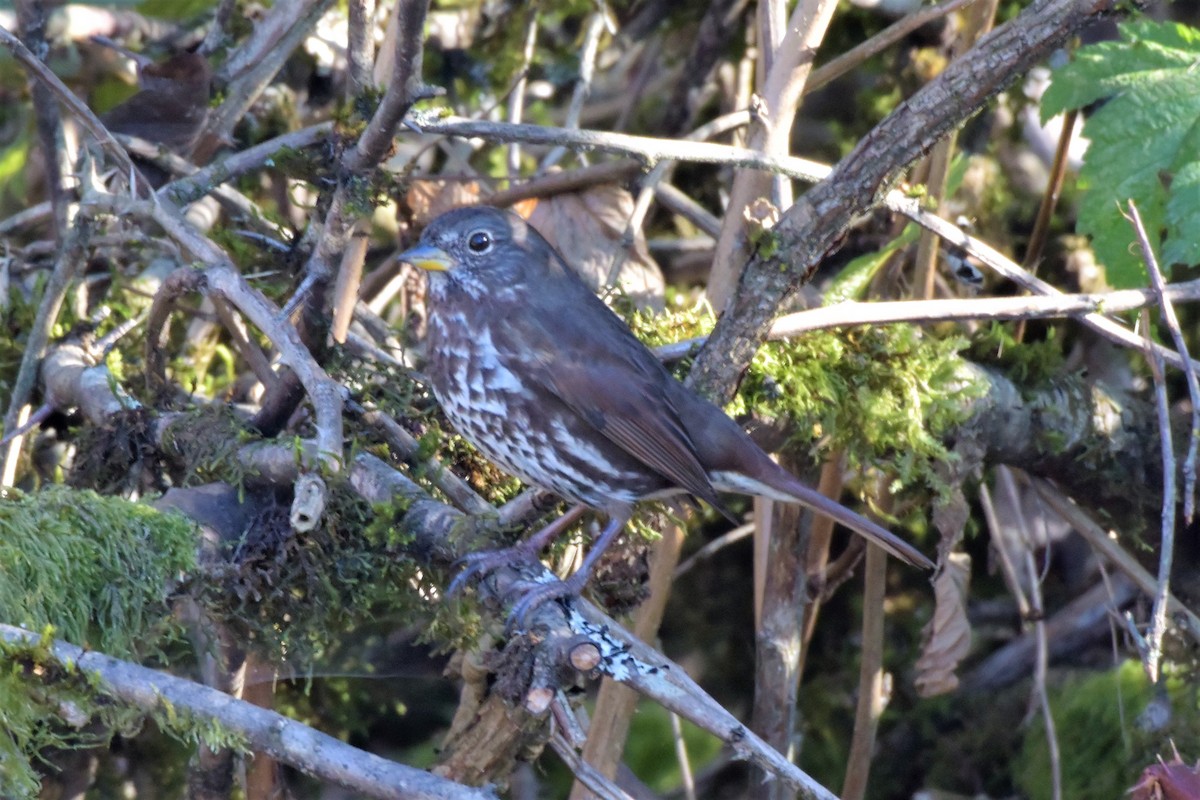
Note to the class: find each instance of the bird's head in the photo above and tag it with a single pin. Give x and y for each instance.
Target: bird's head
(478, 249)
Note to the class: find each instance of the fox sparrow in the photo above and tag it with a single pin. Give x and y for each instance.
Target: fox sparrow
(547, 382)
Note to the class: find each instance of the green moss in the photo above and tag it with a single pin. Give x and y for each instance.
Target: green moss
(765, 243)
(96, 568)
(886, 396)
(1029, 363)
(34, 693)
(37, 692)
(1102, 745)
(95, 571)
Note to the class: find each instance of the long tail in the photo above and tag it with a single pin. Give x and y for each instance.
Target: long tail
(791, 490)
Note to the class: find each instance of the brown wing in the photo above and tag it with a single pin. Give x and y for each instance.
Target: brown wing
(592, 363)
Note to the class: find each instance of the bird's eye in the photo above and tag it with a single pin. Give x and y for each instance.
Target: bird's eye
(479, 242)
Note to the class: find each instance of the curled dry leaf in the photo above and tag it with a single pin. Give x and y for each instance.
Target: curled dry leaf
(587, 228)
(948, 634)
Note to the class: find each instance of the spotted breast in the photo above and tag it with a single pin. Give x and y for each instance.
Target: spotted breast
(492, 408)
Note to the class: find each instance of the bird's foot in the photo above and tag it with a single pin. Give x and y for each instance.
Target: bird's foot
(476, 565)
(531, 593)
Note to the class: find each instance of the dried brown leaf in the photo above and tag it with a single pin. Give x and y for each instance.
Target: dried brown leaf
(948, 634)
(429, 199)
(587, 229)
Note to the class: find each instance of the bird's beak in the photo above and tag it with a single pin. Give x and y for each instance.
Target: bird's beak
(428, 257)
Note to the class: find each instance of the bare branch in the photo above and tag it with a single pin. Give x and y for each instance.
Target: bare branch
(648, 149)
(308, 750)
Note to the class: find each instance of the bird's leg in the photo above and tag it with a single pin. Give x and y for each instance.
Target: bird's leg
(478, 564)
(573, 585)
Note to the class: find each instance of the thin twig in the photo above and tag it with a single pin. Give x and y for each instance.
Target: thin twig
(841, 315)
(599, 786)
(1058, 172)
(1158, 284)
(583, 86)
(516, 99)
(679, 203)
(1037, 612)
(1166, 550)
(202, 181)
(405, 445)
(872, 697)
(1107, 547)
(644, 147)
(847, 61)
(562, 182)
(681, 758)
(1041, 223)
(34, 215)
(249, 350)
(713, 547)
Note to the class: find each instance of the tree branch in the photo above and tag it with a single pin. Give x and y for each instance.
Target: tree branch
(308, 750)
(812, 227)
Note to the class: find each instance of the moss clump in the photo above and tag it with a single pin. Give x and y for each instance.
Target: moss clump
(96, 571)
(96, 568)
(1103, 745)
(1030, 363)
(119, 457)
(206, 447)
(886, 396)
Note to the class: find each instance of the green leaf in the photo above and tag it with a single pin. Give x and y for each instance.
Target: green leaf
(851, 283)
(1144, 140)
(1183, 214)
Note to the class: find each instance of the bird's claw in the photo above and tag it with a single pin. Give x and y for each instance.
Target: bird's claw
(533, 594)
